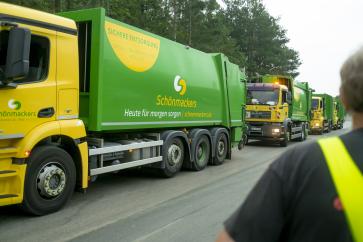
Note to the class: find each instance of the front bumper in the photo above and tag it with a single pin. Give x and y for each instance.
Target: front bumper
(265, 131)
(316, 126)
(12, 178)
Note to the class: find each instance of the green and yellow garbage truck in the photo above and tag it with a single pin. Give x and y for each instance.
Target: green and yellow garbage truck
(278, 109)
(84, 94)
(339, 113)
(322, 110)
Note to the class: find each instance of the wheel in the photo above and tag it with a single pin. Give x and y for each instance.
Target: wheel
(303, 134)
(201, 153)
(329, 128)
(50, 180)
(173, 157)
(221, 148)
(286, 139)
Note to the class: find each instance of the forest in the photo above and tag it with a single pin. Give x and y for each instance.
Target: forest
(244, 30)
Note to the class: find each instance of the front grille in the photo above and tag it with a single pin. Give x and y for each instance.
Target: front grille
(261, 114)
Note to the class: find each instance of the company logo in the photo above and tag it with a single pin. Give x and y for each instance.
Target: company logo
(180, 85)
(14, 104)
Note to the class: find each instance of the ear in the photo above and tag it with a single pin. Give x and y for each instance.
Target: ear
(344, 100)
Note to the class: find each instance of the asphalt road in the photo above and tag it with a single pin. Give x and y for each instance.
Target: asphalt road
(134, 206)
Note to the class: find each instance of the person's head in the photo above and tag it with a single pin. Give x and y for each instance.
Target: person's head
(351, 89)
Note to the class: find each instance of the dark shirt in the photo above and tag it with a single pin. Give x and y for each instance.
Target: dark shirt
(296, 200)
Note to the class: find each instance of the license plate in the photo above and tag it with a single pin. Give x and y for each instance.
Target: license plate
(255, 129)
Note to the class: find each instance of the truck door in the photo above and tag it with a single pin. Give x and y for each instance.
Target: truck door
(33, 101)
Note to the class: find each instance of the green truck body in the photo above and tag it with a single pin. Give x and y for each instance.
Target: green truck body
(137, 80)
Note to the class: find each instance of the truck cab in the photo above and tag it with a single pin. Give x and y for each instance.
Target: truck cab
(322, 113)
(270, 110)
(335, 115)
(38, 101)
(317, 121)
(267, 108)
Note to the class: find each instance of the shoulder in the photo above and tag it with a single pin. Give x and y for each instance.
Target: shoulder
(298, 160)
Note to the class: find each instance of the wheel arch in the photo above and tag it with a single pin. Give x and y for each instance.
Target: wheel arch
(214, 134)
(168, 135)
(68, 135)
(193, 135)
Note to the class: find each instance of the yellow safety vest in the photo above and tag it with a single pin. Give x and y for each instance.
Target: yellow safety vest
(348, 181)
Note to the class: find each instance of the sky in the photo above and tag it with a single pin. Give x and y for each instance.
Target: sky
(324, 32)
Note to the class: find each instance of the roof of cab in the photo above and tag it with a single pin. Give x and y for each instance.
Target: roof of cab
(14, 13)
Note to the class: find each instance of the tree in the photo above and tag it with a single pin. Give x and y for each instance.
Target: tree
(261, 38)
(245, 31)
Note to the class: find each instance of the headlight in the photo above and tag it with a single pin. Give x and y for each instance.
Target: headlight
(316, 125)
(275, 130)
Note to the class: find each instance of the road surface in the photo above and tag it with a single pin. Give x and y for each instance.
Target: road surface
(134, 206)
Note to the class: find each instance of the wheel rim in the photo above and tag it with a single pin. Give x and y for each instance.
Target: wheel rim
(174, 154)
(51, 180)
(201, 152)
(221, 148)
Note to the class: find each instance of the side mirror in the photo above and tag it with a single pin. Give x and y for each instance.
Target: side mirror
(289, 98)
(17, 59)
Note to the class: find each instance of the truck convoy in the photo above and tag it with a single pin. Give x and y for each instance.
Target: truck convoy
(84, 94)
(278, 109)
(322, 113)
(339, 113)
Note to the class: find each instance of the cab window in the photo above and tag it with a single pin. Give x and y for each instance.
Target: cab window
(38, 59)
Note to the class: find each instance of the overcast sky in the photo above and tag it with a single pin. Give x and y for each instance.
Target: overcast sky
(324, 32)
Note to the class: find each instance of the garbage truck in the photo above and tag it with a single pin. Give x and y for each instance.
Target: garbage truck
(322, 113)
(83, 94)
(339, 113)
(278, 109)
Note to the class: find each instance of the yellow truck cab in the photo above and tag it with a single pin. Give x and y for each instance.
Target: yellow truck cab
(322, 113)
(278, 109)
(317, 121)
(41, 106)
(335, 116)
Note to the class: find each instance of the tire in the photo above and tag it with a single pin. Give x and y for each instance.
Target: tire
(303, 134)
(48, 166)
(286, 140)
(221, 148)
(201, 153)
(173, 157)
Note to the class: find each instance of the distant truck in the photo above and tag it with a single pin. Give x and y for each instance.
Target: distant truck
(339, 113)
(322, 113)
(84, 94)
(278, 109)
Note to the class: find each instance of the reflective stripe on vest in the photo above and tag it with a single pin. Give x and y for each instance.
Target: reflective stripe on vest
(348, 182)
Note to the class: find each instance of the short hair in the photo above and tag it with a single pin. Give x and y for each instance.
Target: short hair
(351, 74)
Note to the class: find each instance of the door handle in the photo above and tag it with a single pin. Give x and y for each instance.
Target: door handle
(46, 112)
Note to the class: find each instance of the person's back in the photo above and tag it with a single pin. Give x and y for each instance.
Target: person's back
(297, 199)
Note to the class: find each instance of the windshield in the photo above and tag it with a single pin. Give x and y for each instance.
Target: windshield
(315, 104)
(269, 97)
